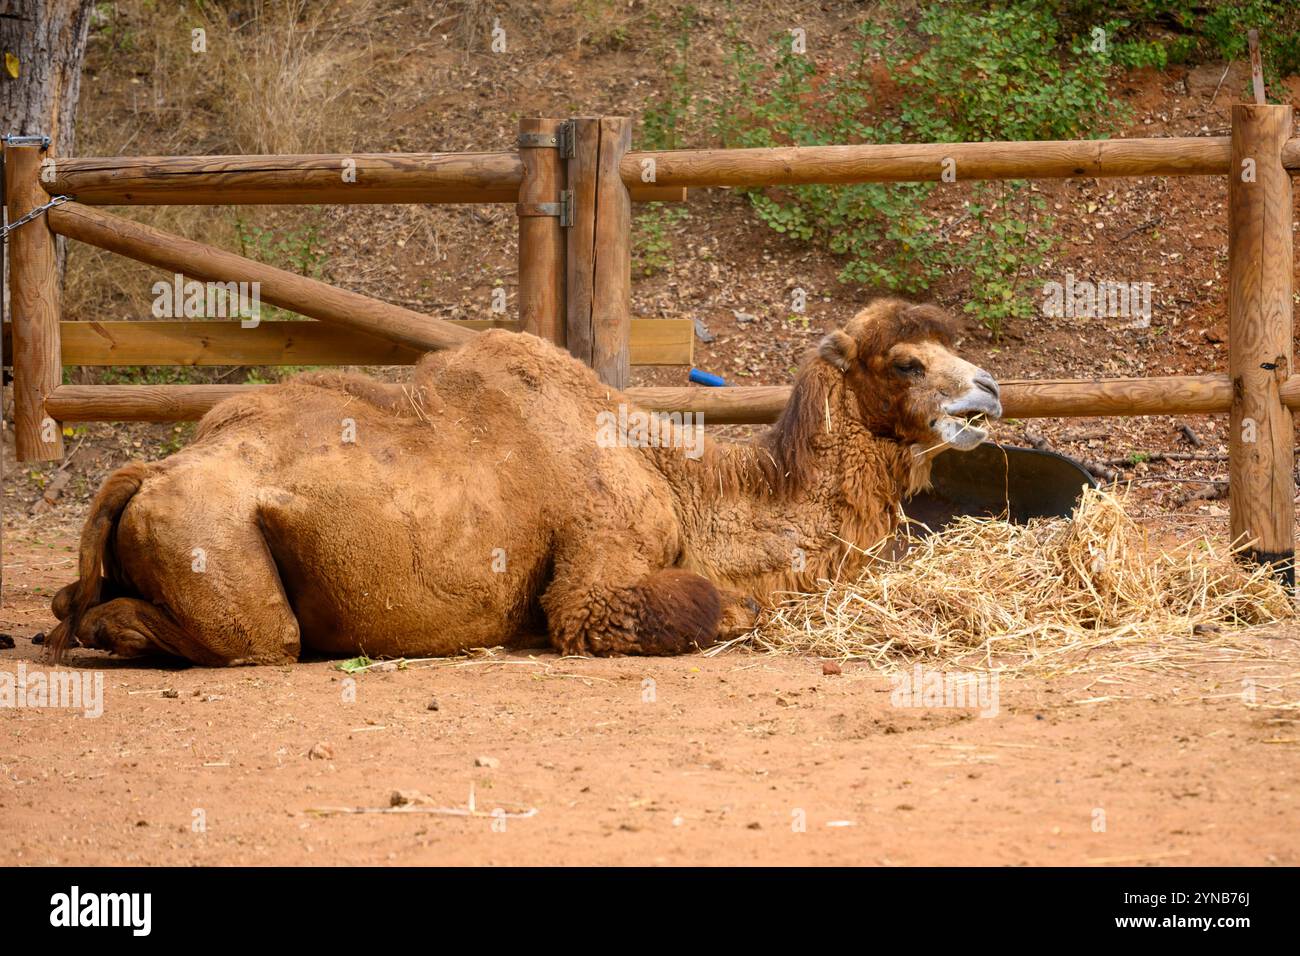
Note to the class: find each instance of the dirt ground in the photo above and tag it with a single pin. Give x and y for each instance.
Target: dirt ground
(736, 759)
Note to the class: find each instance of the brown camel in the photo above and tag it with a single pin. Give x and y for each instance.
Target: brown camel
(486, 505)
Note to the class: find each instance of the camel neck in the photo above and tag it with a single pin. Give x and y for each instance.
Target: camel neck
(745, 528)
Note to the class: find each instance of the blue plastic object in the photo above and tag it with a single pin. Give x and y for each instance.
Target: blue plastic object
(706, 378)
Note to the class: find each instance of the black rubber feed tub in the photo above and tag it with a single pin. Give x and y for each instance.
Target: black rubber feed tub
(996, 481)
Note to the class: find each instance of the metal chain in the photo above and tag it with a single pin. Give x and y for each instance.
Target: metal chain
(39, 210)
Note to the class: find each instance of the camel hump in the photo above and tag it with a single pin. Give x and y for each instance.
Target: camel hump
(528, 361)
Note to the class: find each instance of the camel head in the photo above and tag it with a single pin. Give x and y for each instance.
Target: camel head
(911, 387)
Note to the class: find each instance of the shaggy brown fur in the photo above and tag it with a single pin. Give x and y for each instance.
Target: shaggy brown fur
(479, 508)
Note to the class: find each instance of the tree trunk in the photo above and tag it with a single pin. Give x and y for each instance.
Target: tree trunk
(48, 40)
(42, 42)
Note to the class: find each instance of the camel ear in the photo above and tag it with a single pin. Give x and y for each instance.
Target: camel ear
(839, 349)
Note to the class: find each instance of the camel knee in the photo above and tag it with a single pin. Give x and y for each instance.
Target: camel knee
(666, 612)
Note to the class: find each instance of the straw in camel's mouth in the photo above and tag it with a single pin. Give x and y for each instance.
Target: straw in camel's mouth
(962, 430)
(961, 422)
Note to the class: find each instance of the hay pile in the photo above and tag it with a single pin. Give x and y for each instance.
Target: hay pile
(986, 593)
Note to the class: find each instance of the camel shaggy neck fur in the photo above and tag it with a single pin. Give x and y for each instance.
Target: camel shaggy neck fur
(480, 508)
(799, 504)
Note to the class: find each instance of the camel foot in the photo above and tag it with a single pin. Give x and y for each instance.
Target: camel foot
(740, 615)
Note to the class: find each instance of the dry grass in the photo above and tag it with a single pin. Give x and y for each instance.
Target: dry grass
(274, 76)
(267, 76)
(289, 77)
(1052, 596)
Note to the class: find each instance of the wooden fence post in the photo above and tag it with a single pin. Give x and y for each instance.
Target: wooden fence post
(34, 304)
(580, 238)
(1260, 319)
(599, 303)
(541, 237)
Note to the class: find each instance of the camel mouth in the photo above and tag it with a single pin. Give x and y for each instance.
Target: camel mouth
(982, 401)
(963, 432)
(962, 423)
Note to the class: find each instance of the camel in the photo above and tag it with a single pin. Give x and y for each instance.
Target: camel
(479, 507)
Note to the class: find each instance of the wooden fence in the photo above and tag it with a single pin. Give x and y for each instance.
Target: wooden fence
(572, 183)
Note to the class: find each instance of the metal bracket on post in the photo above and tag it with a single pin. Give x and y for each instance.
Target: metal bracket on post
(563, 209)
(536, 141)
(567, 139)
(13, 139)
(562, 140)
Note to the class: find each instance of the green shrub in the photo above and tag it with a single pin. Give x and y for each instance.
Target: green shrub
(956, 71)
(1156, 32)
(297, 249)
(960, 75)
(652, 243)
(663, 119)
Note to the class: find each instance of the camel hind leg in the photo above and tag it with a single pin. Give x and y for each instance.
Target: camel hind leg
(130, 627)
(208, 587)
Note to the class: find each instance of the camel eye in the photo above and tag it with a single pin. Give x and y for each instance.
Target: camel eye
(909, 367)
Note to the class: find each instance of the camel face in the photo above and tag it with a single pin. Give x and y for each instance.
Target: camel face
(897, 357)
(945, 392)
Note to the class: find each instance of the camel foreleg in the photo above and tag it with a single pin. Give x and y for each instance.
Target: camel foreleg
(656, 612)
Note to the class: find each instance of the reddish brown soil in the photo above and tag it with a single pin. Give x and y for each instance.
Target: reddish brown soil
(715, 771)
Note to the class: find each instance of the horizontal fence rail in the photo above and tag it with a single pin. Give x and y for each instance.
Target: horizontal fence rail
(806, 165)
(208, 342)
(1021, 398)
(495, 177)
(334, 178)
(753, 405)
(358, 178)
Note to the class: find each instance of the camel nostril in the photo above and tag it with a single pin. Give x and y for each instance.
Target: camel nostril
(986, 382)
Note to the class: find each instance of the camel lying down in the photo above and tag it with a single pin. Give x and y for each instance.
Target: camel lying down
(486, 505)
